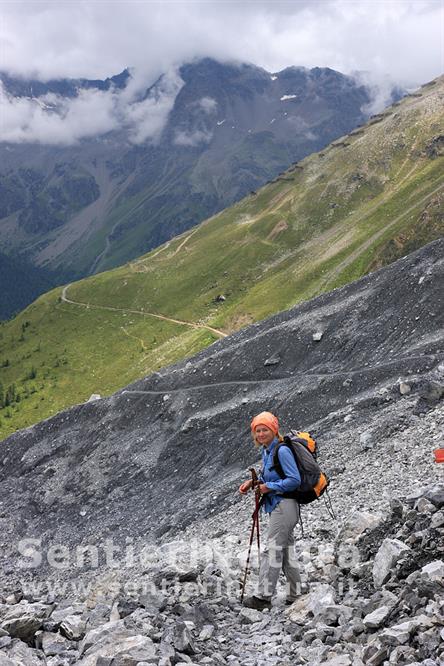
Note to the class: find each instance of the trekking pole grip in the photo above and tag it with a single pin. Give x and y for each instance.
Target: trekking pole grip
(254, 479)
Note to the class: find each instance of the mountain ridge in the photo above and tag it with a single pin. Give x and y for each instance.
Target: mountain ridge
(218, 131)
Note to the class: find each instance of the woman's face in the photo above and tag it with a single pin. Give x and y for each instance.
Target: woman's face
(264, 435)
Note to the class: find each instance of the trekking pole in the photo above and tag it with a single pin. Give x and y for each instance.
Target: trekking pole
(329, 504)
(254, 526)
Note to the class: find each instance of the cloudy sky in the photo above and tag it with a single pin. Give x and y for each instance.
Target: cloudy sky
(401, 41)
(402, 38)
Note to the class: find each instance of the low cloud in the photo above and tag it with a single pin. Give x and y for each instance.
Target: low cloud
(192, 138)
(300, 126)
(148, 117)
(208, 104)
(394, 42)
(380, 90)
(403, 38)
(55, 120)
(52, 119)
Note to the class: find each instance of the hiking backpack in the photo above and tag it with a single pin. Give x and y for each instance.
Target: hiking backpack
(313, 480)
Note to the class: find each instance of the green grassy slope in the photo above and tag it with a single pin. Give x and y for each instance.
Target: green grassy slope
(364, 201)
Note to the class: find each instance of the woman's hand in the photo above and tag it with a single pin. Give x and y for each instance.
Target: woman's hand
(245, 487)
(263, 488)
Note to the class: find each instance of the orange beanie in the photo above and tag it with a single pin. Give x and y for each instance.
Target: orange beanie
(267, 419)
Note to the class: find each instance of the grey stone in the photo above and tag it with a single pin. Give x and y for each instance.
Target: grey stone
(404, 388)
(24, 619)
(429, 640)
(403, 654)
(299, 610)
(340, 660)
(190, 575)
(121, 650)
(273, 360)
(334, 614)
(377, 618)
(100, 614)
(54, 643)
(154, 600)
(167, 652)
(323, 595)
(6, 661)
(396, 506)
(179, 636)
(102, 633)
(435, 494)
(356, 524)
(374, 654)
(23, 655)
(367, 440)
(434, 570)
(390, 551)
(396, 635)
(423, 505)
(12, 599)
(399, 634)
(59, 614)
(250, 616)
(437, 520)
(73, 627)
(382, 597)
(140, 622)
(206, 632)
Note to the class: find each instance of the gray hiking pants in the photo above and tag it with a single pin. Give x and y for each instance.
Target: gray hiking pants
(279, 551)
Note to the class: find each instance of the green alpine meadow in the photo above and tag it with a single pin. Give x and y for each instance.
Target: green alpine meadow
(364, 201)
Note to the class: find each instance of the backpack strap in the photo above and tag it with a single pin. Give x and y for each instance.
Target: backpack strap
(276, 462)
(293, 494)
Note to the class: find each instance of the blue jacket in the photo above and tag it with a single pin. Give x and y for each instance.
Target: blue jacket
(272, 479)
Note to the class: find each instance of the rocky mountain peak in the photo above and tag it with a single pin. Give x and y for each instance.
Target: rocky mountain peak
(34, 88)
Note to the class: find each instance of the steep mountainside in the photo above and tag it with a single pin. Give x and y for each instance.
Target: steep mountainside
(221, 131)
(21, 283)
(358, 366)
(364, 201)
(124, 537)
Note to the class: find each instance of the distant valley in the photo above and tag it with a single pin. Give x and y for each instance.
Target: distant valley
(223, 130)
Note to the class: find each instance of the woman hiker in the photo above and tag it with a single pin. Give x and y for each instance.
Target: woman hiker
(283, 514)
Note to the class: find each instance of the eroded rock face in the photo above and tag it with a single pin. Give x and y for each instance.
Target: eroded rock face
(141, 492)
(135, 466)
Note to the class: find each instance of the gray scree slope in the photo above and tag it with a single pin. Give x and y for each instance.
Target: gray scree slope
(167, 452)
